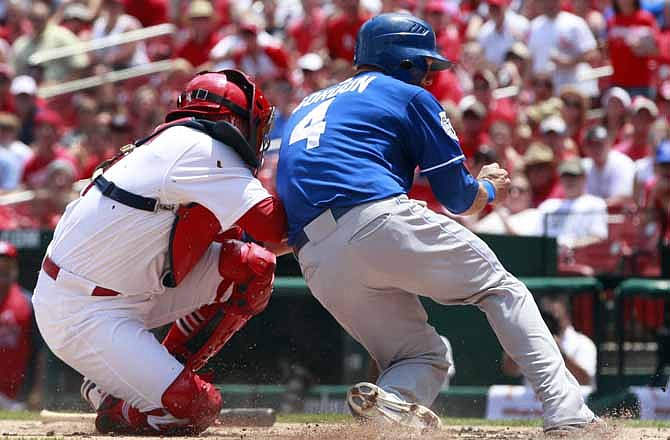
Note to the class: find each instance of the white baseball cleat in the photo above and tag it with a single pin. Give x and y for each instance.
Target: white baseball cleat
(369, 402)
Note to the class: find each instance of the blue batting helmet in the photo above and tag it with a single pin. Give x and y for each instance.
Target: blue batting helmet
(399, 45)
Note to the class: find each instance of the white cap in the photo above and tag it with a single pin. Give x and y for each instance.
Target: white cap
(23, 84)
(553, 123)
(310, 61)
(642, 103)
(618, 93)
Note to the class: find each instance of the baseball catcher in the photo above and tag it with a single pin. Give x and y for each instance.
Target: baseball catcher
(155, 239)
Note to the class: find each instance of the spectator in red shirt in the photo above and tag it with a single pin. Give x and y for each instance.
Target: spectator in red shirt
(638, 145)
(341, 29)
(542, 174)
(554, 134)
(445, 86)
(473, 117)
(148, 12)
(16, 22)
(438, 15)
(202, 34)
(631, 42)
(483, 84)
(616, 102)
(46, 149)
(575, 107)
(306, 32)
(17, 336)
(260, 59)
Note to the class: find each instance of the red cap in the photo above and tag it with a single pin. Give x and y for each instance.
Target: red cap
(7, 249)
(499, 2)
(48, 117)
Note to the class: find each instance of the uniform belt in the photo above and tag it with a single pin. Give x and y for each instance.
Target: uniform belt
(52, 269)
(303, 239)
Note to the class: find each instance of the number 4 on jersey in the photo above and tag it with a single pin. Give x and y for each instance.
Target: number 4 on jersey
(312, 126)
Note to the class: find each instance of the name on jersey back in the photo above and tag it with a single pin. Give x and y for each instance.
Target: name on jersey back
(354, 84)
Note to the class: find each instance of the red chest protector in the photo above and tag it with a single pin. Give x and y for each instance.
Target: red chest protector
(195, 227)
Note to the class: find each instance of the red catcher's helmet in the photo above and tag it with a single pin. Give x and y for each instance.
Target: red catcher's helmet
(228, 92)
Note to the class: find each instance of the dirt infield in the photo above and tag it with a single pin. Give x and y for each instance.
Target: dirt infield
(14, 429)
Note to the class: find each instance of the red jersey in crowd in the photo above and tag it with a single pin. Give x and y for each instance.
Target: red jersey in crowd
(630, 70)
(471, 144)
(197, 52)
(449, 43)
(305, 32)
(445, 87)
(634, 150)
(148, 12)
(16, 343)
(553, 191)
(35, 169)
(272, 62)
(503, 109)
(341, 33)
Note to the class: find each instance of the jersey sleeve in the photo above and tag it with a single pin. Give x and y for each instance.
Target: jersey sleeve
(213, 175)
(431, 139)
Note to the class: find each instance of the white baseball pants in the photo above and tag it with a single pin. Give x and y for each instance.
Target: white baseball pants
(367, 269)
(107, 339)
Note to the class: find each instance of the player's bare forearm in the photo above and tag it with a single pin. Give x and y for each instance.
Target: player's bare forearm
(479, 203)
(499, 179)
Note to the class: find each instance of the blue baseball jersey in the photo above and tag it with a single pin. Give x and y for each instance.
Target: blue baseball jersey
(360, 141)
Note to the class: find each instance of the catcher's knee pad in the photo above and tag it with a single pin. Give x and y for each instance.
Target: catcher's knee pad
(189, 397)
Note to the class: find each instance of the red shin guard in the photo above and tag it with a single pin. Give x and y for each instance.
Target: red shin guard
(191, 405)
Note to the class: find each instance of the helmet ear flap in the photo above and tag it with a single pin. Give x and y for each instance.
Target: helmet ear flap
(406, 64)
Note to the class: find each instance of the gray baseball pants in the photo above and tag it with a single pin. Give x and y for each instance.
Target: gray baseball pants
(368, 268)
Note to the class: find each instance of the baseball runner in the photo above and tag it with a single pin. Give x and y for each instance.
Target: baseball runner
(143, 247)
(366, 251)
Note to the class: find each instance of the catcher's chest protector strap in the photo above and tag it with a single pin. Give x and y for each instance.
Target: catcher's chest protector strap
(109, 189)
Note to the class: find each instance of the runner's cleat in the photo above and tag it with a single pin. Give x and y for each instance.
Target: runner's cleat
(370, 403)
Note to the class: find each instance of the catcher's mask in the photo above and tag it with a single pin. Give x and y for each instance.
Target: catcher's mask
(229, 92)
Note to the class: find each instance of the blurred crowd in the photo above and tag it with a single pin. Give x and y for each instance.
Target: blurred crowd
(572, 97)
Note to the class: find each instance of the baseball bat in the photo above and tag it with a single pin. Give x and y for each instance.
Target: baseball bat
(227, 416)
(58, 416)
